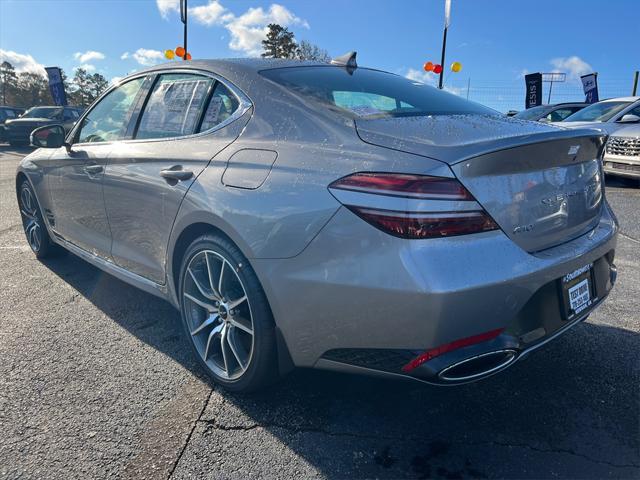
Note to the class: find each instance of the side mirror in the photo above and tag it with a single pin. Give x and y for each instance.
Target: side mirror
(629, 118)
(544, 120)
(50, 136)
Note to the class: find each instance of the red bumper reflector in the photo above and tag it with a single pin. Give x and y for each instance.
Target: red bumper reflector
(449, 347)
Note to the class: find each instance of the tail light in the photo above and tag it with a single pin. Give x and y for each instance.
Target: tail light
(416, 206)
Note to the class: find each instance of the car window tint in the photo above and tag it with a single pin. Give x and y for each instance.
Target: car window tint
(370, 93)
(109, 119)
(68, 115)
(174, 106)
(222, 105)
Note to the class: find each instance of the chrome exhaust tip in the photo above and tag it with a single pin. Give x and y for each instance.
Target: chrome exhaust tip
(478, 366)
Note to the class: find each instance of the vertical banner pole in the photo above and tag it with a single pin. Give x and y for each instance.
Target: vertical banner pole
(634, 90)
(183, 17)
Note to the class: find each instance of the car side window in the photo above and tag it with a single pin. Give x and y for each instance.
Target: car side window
(560, 114)
(109, 118)
(174, 106)
(222, 105)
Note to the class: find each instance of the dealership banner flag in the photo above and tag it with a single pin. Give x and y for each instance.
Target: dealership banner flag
(590, 86)
(56, 86)
(534, 90)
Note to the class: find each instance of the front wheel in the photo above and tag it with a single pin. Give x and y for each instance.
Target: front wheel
(33, 223)
(226, 315)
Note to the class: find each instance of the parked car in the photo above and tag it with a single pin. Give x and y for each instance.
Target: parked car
(550, 113)
(7, 113)
(328, 216)
(622, 153)
(19, 129)
(607, 115)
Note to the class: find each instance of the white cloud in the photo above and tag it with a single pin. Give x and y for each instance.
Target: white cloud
(21, 62)
(116, 80)
(88, 56)
(144, 56)
(573, 66)
(247, 29)
(167, 6)
(210, 14)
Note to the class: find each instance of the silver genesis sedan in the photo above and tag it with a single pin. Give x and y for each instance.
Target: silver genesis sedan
(329, 216)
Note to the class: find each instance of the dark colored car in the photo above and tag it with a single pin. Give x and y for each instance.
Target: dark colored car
(8, 113)
(19, 129)
(550, 113)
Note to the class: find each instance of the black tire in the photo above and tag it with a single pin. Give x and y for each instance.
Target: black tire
(261, 369)
(33, 223)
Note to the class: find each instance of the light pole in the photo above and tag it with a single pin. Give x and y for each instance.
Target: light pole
(447, 16)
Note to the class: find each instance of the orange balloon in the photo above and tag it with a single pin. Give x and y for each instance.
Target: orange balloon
(188, 56)
(180, 52)
(428, 66)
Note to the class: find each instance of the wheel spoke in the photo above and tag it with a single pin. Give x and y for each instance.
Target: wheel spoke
(214, 331)
(209, 321)
(235, 353)
(237, 302)
(221, 276)
(223, 340)
(198, 286)
(205, 305)
(216, 293)
(235, 323)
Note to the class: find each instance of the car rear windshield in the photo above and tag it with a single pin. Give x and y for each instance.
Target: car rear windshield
(598, 112)
(371, 93)
(41, 112)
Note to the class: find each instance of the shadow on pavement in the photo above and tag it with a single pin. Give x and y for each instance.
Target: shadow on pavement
(571, 409)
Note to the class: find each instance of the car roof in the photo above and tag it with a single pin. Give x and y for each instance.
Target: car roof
(621, 99)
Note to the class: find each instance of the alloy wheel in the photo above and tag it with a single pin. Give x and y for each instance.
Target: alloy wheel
(218, 314)
(32, 227)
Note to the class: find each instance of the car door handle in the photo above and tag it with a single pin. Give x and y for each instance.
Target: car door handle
(176, 173)
(93, 169)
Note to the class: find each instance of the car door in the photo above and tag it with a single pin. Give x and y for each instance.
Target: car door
(187, 119)
(75, 178)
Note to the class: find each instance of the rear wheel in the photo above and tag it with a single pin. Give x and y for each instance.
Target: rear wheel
(226, 316)
(33, 223)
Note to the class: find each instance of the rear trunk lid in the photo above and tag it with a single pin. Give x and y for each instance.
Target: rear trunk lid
(541, 184)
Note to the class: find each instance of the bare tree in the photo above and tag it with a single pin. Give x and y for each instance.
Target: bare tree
(309, 51)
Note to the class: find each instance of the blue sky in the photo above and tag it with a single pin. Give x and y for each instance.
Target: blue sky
(495, 40)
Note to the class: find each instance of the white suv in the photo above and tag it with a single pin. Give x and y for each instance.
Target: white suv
(622, 154)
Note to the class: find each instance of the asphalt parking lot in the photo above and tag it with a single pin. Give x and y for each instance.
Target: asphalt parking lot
(96, 381)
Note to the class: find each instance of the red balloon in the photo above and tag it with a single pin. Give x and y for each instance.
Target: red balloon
(437, 69)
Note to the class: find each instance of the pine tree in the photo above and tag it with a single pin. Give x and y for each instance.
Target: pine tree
(279, 43)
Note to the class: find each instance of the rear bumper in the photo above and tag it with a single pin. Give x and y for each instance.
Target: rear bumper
(357, 299)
